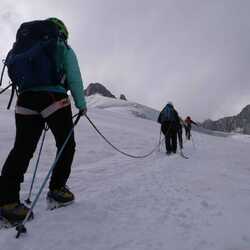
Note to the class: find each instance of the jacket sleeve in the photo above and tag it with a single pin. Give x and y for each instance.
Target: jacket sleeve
(74, 78)
(193, 122)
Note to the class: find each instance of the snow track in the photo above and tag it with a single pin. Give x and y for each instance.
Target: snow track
(157, 203)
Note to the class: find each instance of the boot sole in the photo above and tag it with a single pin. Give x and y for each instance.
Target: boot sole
(52, 204)
(5, 223)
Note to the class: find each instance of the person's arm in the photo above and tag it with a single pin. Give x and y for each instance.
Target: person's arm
(194, 123)
(74, 79)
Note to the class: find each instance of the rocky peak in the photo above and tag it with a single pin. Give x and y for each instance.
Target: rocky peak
(245, 113)
(238, 123)
(123, 97)
(98, 88)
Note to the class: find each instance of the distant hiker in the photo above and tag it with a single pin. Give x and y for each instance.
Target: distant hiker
(43, 67)
(170, 125)
(188, 126)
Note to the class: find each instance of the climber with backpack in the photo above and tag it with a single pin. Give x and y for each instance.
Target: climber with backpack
(42, 68)
(188, 127)
(170, 124)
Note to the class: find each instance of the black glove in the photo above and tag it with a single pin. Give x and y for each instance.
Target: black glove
(82, 111)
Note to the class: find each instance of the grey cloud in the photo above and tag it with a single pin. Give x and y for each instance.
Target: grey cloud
(194, 53)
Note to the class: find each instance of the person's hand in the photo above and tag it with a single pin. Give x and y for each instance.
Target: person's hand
(82, 111)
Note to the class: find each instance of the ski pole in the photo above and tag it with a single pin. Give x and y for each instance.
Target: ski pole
(160, 142)
(192, 139)
(21, 227)
(28, 201)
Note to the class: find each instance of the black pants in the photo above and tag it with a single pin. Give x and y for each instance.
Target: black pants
(188, 131)
(28, 131)
(170, 132)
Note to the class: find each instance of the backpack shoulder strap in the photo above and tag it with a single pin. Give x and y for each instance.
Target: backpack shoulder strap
(13, 91)
(1, 79)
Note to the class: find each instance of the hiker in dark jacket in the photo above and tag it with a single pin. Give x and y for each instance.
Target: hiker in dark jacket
(36, 106)
(188, 126)
(170, 124)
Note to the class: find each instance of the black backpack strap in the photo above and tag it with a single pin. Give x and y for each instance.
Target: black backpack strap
(13, 91)
(10, 85)
(2, 74)
(4, 66)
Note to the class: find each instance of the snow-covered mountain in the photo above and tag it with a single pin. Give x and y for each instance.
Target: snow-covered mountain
(116, 105)
(156, 203)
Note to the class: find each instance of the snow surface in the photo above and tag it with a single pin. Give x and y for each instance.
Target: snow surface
(158, 203)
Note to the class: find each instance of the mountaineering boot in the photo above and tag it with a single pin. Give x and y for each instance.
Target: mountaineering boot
(59, 198)
(13, 213)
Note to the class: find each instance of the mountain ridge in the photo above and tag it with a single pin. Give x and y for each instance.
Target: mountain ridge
(239, 123)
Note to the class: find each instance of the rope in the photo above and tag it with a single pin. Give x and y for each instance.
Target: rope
(120, 151)
(5, 88)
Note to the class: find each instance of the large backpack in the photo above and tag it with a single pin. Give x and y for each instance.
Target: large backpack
(168, 114)
(32, 60)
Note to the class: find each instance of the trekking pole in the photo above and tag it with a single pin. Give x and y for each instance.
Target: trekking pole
(20, 228)
(192, 139)
(28, 201)
(182, 154)
(160, 142)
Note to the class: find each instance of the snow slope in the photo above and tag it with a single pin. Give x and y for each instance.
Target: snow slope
(136, 109)
(158, 203)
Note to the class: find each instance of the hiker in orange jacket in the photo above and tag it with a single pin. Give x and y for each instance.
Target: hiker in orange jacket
(188, 126)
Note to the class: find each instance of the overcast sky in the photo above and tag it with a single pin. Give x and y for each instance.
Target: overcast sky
(195, 53)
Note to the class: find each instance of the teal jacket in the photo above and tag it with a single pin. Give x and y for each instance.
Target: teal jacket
(67, 61)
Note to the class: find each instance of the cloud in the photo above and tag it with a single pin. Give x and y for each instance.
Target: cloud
(194, 53)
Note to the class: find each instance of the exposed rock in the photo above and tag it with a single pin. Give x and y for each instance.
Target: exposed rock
(239, 123)
(98, 88)
(123, 97)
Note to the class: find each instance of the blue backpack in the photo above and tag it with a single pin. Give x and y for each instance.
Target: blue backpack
(32, 60)
(168, 114)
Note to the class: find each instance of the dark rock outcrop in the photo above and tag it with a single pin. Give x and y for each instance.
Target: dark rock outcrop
(98, 88)
(239, 123)
(123, 97)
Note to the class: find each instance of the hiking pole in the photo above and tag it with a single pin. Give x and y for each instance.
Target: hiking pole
(20, 228)
(192, 139)
(28, 201)
(160, 142)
